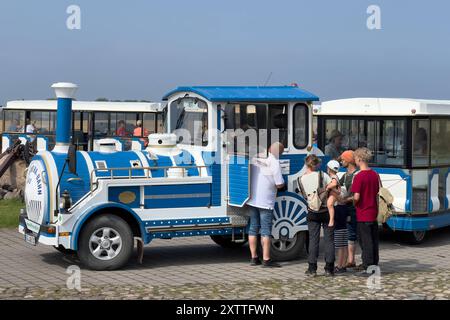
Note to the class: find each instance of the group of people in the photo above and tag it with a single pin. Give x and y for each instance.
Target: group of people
(345, 207)
(30, 126)
(139, 131)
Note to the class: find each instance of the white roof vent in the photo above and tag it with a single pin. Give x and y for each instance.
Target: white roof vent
(107, 145)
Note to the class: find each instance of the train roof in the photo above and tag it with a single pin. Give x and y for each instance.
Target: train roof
(247, 94)
(383, 107)
(87, 106)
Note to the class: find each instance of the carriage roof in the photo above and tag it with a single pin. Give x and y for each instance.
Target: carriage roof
(247, 94)
(383, 107)
(106, 106)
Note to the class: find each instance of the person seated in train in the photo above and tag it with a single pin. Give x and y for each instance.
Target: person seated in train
(15, 126)
(334, 148)
(141, 132)
(121, 130)
(30, 128)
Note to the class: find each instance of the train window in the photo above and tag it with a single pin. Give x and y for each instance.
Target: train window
(43, 122)
(123, 124)
(150, 122)
(440, 146)
(189, 120)
(421, 142)
(301, 126)
(386, 139)
(246, 126)
(14, 121)
(101, 124)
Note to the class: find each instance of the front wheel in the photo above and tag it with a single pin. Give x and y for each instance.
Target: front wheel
(106, 243)
(288, 249)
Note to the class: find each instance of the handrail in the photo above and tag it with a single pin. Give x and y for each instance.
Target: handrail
(130, 175)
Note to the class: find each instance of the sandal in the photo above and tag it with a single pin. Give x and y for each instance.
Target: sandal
(351, 265)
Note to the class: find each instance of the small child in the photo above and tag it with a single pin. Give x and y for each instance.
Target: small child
(333, 188)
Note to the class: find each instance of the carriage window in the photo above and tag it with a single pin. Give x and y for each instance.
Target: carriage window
(385, 138)
(421, 142)
(440, 146)
(14, 121)
(123, 124)
(43, 122)
(150, 122)
(189, 120)
(301, 126)
(101, 124)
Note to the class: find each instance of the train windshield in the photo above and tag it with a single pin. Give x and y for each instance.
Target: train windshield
(189, 121)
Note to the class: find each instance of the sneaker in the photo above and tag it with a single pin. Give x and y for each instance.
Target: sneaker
(338, 270)
(255, 262)
(311, 273)
(271, 264)
(329, 273)
(359, 268)
(363, 274)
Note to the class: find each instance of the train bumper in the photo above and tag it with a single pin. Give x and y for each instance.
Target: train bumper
(35, 233)
(419, 223)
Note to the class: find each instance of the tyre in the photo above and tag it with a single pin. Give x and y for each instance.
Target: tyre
(105, 243)
(64, 250)
(227, 242)
(415, 237)
(289, 249)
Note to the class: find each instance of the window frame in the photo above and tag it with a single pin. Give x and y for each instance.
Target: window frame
(307, 126)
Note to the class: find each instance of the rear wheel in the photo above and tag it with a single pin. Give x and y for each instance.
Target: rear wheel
(106, 243)
(415, 237)
(288, 249)
(227, 241)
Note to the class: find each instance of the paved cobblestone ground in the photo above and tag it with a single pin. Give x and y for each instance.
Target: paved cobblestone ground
(195, 268)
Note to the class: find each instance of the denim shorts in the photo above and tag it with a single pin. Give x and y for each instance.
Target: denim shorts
(260, 222)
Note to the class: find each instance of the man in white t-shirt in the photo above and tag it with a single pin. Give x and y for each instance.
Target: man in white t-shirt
(30, 128)
(266, 179)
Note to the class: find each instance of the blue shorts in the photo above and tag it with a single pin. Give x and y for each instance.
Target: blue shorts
(260, 222)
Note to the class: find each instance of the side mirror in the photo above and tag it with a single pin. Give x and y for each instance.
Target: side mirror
(72, 158)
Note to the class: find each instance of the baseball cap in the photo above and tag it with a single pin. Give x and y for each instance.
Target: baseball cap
(334, 165)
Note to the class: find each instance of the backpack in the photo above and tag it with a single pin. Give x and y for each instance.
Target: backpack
(385, 203)
(318, 198)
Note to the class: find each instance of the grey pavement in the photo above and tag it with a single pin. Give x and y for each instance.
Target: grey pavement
(194, 260)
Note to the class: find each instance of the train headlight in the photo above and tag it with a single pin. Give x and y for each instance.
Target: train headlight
(66, 201)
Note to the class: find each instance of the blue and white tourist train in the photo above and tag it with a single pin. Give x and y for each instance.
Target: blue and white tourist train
(100, 203)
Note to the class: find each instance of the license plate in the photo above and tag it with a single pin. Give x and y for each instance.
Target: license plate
(30, 238)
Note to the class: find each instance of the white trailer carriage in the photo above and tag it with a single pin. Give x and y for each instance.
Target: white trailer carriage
(95, 203)
(411, 143)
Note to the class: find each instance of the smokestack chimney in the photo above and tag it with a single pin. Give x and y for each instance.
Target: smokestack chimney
(64, 92)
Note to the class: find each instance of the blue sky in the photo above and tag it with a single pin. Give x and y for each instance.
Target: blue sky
(141, 49)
